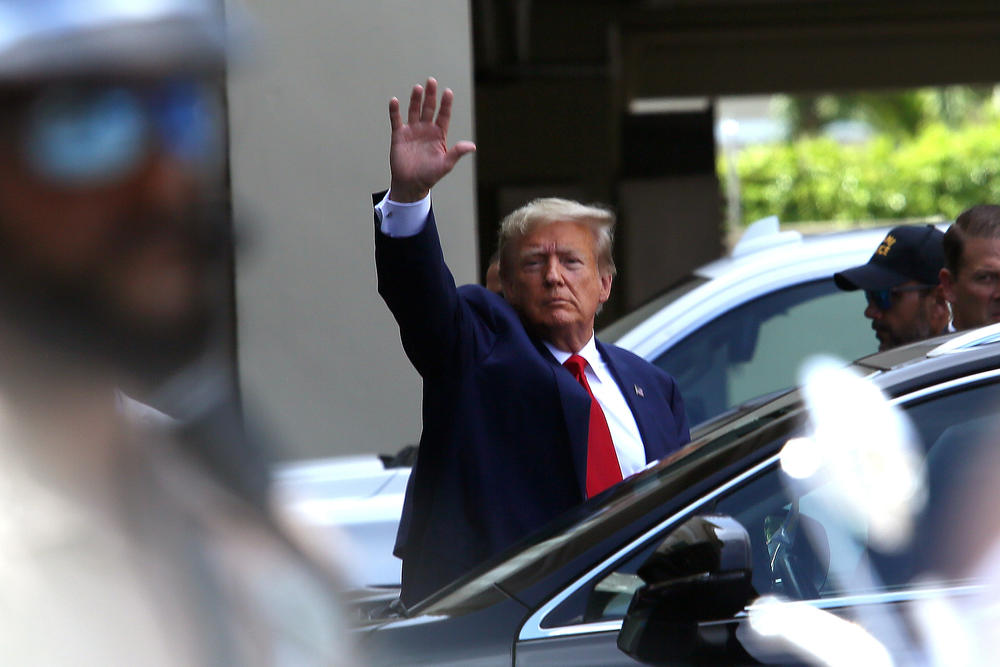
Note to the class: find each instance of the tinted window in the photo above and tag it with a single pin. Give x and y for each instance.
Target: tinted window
(960, 432)
(770, 515)
(757, 348)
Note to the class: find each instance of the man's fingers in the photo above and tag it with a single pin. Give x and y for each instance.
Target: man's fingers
(394, 120)
(413, 114)
(463, 147)
(444, 114)
(458, 150)
(430, 101)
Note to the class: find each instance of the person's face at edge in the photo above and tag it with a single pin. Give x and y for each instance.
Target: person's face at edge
(974, 293)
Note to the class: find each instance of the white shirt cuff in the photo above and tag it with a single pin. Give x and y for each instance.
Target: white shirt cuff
(403, 219)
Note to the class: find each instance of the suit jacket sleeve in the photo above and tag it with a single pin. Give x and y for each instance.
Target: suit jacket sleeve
(436, 327)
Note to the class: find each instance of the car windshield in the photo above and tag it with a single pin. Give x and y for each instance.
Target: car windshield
(624, 508)
(622, 326)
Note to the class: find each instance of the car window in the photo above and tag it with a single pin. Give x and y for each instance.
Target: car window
(800, 547)
(799, 550)
(770, 516)
(960, 432)
(758, 347)
(957, 432)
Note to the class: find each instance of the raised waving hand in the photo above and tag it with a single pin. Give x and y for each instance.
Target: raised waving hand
(419, 156)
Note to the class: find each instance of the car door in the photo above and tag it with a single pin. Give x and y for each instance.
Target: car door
(840, 573)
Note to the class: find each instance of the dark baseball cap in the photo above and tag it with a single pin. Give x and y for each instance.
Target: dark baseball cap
(908, 252)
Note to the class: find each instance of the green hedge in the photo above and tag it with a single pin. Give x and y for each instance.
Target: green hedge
(938, 173)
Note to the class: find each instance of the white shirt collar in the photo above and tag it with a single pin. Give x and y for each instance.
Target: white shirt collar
(588, 352)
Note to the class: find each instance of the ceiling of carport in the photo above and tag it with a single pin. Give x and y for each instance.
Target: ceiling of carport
(717, 47)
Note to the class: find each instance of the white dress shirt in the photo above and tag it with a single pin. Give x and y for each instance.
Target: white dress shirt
(401, 220)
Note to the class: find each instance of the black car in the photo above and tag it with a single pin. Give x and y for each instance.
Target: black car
(560, 595)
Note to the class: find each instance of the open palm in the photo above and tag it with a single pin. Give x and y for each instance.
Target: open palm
(418, 155)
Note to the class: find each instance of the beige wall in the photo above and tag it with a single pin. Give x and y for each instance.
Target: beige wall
(319, 355)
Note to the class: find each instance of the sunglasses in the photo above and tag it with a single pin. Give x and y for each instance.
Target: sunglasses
(883, 298)
(80, 135)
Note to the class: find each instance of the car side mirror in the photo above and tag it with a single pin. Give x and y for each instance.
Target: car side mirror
(701, 572)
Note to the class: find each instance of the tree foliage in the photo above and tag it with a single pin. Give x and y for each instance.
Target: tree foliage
(926, 168)
(896, 113)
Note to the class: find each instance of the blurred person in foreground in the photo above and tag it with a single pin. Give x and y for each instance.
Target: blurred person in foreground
(904, 300)
(971, 274)
(121, 542)
(525, 413)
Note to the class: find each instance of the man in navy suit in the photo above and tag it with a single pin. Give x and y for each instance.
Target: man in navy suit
(511, 437)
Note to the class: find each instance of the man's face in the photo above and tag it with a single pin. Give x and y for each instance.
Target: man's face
(910, 316)
(119, 257)
(555, 283)
(974, 293)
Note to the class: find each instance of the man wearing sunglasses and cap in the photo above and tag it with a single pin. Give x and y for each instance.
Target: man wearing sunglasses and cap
(126, 542)
(905, 301)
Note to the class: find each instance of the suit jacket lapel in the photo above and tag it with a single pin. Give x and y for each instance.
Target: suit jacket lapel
(631, 391)
(576, 412)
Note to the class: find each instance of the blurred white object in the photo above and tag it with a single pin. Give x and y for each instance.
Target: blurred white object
(867, 448)
(356, 498)
(815, 635)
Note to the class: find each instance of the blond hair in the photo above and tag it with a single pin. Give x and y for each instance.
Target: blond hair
(549, 210)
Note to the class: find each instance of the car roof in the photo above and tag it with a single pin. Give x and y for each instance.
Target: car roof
(759, 250)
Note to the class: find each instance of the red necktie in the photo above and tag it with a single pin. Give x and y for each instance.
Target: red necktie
(602, 461)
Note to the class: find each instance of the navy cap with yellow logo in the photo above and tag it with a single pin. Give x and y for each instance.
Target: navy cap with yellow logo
(908, 252)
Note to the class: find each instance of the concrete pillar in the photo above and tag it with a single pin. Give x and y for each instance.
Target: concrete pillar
(319, 355)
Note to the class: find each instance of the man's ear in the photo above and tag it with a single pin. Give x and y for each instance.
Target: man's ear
(606, 280)
(947, 285)
(939, 314)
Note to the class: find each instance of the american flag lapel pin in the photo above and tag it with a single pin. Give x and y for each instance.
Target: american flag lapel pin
(638, 391)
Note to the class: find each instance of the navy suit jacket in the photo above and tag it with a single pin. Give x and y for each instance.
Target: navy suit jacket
(504, 442)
